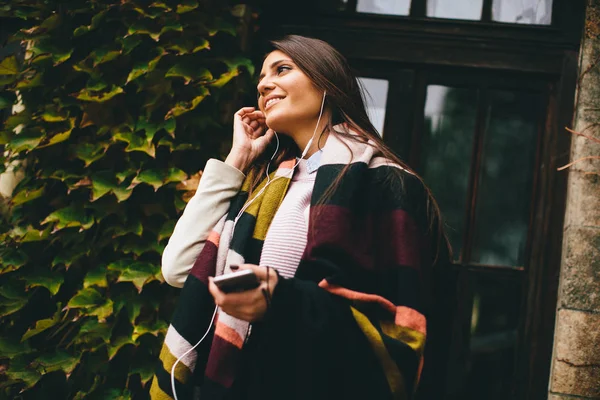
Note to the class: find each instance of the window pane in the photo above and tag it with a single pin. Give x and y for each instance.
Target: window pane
(450, 115)
(494, 325)
(455, 9)
(390, 7)
(504, 196)
(375, 96)
(523, 11)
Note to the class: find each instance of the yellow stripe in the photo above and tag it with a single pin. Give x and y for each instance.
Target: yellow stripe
(392, 373)
(269, 203)
(182, 372)
(156, 392)
(415, 339)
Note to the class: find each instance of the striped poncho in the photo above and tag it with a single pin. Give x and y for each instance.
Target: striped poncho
(350, 324)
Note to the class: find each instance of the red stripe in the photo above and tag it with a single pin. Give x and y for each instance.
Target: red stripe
(205, 264)
(214, 237)
(222, 362)
(229, 334)
(354, 295)
(403, 316)
(411, 318)
(377, 241)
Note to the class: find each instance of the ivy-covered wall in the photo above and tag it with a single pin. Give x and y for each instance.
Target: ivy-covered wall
(123, 102)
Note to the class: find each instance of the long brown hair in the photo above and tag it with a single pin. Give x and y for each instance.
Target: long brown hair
(329, 70)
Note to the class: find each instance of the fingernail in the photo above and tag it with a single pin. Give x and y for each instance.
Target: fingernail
(234, 267)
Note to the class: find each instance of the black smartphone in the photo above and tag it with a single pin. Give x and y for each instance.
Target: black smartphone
(238, 281)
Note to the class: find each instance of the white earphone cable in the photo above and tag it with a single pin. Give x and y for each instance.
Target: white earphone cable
(187, 352)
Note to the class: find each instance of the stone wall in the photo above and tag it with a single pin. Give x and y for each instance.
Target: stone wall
(575, 371)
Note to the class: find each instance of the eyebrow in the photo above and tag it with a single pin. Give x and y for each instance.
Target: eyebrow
(273, 64)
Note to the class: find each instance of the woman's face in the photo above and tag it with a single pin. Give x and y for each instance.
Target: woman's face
(287, 97)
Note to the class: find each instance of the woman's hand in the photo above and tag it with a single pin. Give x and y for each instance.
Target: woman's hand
(249, 137)
(250, 305)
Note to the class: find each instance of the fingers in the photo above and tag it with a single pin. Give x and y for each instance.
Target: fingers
(248, 305)
(244, 110)
(250, 112)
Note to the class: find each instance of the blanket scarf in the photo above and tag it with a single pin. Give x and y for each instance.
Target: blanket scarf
(368, 242)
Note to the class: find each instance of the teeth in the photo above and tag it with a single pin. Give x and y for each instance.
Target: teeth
(271, 101)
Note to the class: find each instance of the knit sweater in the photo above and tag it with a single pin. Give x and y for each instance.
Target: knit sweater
(287, 235)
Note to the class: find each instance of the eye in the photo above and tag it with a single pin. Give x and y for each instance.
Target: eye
(282, 68)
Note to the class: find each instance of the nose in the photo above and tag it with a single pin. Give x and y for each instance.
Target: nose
(265, 85)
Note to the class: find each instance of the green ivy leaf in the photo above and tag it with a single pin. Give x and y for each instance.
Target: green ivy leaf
(104, 182)
(166, 230)
(148, 127)
(96, 277)
(183, 107)
(138, 246)
(103, 55)
(143, 67)
(25, 195)
(225, 78)
(136, 272)
(58, 360)
(237, 62)
(86, 297)
(186, 6)
(29, 82)
(158, 178)
(202, 45)
(102, 312)
(133, 226)
(51, 280)
(20, 370)
(12, 259)
(128, 43)
(86, 95)
(169, 26)
(149, 328)
(141, 27)
(42, 325)
(92, 329)
(139, 273)
(117, 344)
(131, 302)
(9, 66)
(189, 72)
(27, 140)
(90, 152)
(145, 371)
(10, 306)
(136, 143)
(7, 79)
(34, 235)
(54, 115)
(60, 136)
(68, 255)
(71, 216)
(96, 84)
(17, 119)
(10, 347)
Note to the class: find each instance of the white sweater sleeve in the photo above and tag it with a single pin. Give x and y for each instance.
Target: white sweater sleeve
(219, 184)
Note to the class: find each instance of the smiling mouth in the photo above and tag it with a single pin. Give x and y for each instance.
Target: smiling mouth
(271, 102)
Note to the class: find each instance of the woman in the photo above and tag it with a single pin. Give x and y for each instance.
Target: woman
(341, 234)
